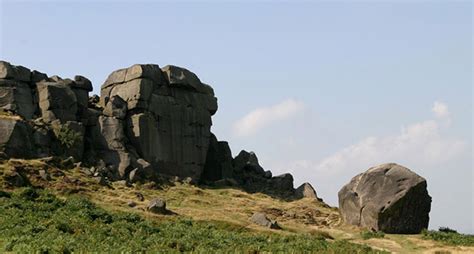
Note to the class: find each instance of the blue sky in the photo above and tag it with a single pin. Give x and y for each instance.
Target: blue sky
(323, 90)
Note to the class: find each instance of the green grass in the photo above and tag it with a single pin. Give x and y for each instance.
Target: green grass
(371, 234)
(33, 221)
(449, 236)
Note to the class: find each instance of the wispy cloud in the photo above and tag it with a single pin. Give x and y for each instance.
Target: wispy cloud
(265, 116)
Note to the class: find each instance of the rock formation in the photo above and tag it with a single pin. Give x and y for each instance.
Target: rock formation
(388, 198)
(148, 123)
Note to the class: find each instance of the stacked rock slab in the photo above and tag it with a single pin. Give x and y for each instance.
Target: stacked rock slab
(38, 110)
(168, 116)
(16, 93)
(388, 198)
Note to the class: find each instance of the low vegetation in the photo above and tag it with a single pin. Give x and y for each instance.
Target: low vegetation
(68, 137)
(34, 220)
(449, 236)
(366, 234)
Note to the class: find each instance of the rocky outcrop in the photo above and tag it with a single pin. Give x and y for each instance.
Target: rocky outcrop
(149, 123)
(389, 198)
(244, 170)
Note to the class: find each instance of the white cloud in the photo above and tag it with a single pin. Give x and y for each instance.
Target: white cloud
(262, 117)
(440, 109)
(420, 144)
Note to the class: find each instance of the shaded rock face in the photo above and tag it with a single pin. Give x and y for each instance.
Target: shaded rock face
(218, 161)
(389, 198)
(15, 138)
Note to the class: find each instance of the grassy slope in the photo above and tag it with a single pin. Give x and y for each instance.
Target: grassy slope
(38, 221)
(221, 215)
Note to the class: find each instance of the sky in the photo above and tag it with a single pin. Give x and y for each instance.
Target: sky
(324, 90)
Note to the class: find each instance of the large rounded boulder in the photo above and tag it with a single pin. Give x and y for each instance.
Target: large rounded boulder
(388, 198)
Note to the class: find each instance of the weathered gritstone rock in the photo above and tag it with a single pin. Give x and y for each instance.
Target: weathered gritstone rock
(16, 96)
(19, 73)
(57, 101)
(247, 161)
(116, 107)
(168, 116)
(389, 198)
(306, 191)
(15, 138)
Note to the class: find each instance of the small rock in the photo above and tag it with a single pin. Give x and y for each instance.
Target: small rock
(16, 179)
(189, 180)
(68, 162)
(157, 205)
(140, 196)
(44, 175)
(47, 159)
(86, 171)
(262, 220)
(131, 204)
(101, 180)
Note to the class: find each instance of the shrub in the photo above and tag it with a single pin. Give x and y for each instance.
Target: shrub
(447, 230)
(68, 137)
(4, 194)
(448, 236)
(366, 234)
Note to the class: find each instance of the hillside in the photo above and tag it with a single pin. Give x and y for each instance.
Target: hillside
(55, 205)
